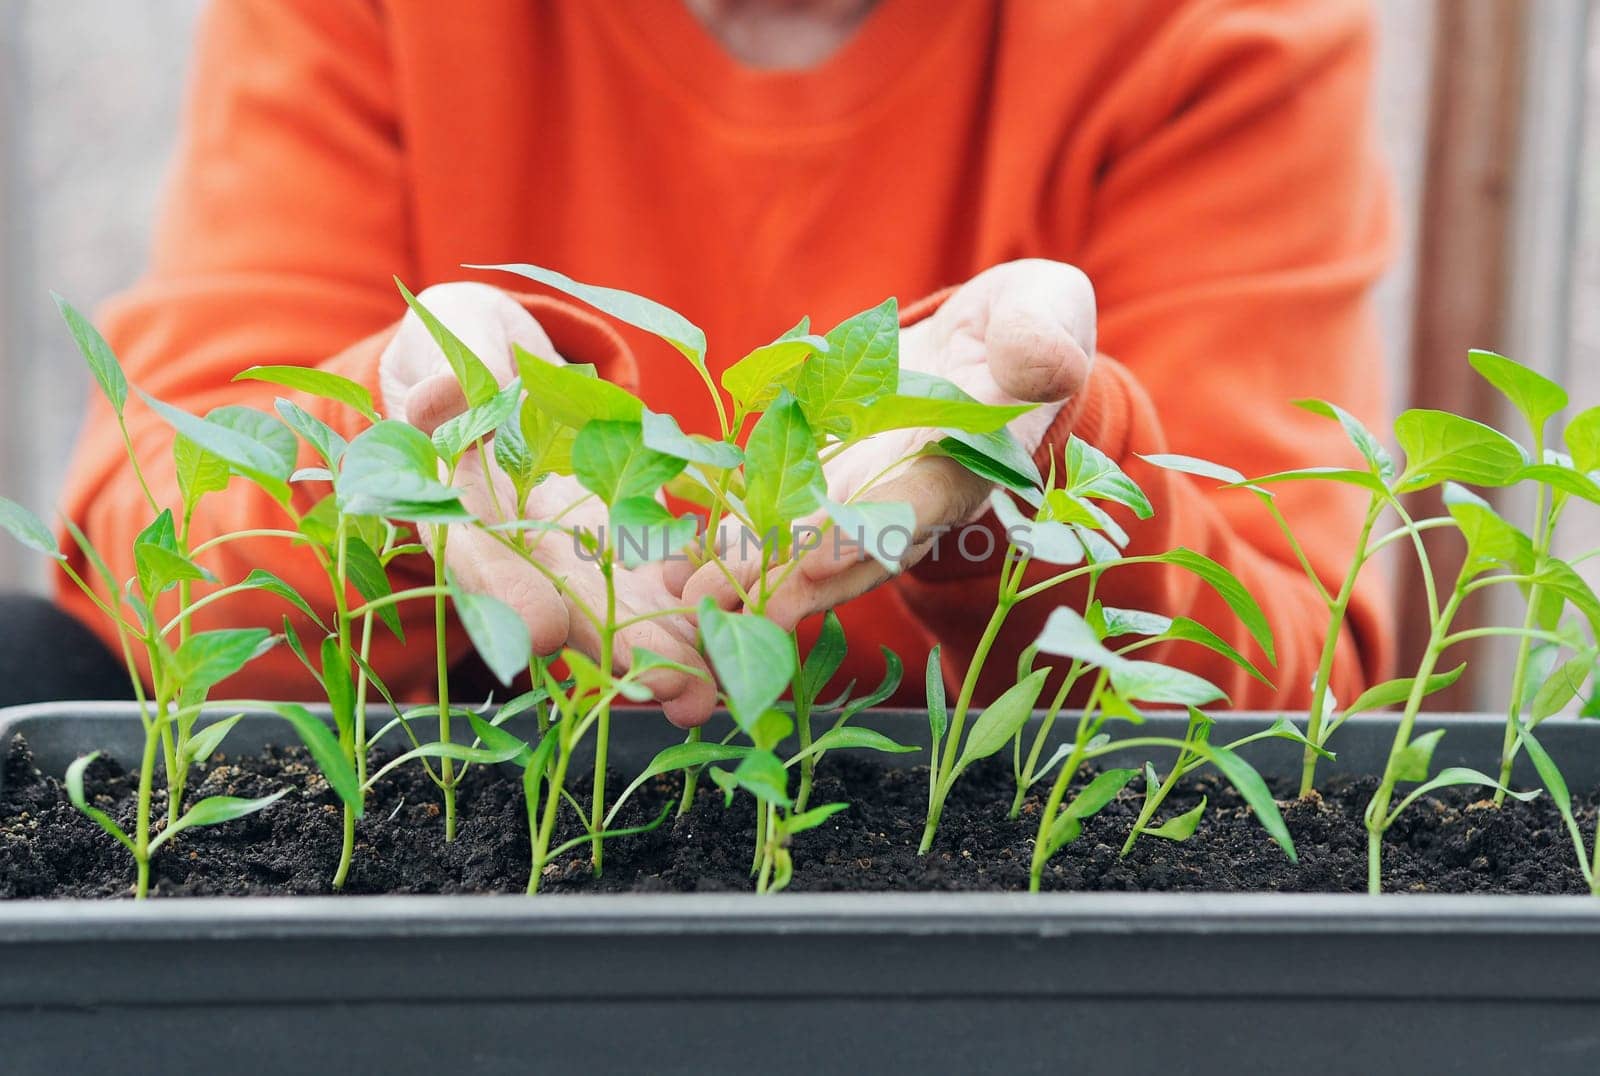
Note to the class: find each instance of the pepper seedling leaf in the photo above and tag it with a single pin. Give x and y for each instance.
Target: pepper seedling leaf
(97, 353)
(643, 531)
(851, 738)
(1366, 442)
(74, 786)
(938, 711)
(214, 810)
(497, 631)
(611, 461)
(572, 395)
(205, 743)
(391, 470)
(314, 382)
(1001, 719)
(753, 658)
(323, 746)
(26, 528)
(478, 385)
(209, 657)
(1441, 447)
(826, 655)
(198, 471)
(236, 441)
(1180, 827)
(1094, 797)
(1582, 437)
(861, 364)
(1535, 396)
(783, 478)
(456, 435)
(755, 380)
(662, 434)
(635, 310)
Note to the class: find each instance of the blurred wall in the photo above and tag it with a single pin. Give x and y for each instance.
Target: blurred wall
(89, 98)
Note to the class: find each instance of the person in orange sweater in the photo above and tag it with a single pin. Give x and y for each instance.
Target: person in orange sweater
(1162, 218)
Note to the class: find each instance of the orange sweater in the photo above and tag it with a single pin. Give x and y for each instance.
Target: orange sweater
(1208, 163)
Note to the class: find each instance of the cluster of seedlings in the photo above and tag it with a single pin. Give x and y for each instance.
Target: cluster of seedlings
(796, 403)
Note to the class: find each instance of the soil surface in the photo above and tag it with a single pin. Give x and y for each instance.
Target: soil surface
(1452, 842)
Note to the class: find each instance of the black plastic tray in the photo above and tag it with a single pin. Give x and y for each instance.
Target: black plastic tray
(1179, 983)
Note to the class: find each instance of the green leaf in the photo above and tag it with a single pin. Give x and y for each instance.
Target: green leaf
(1559, 577)
(643, 531)
(826, 655)
(1451, 776)
(97, 353)
(938, 710)
(264, 430)
(391, 470)
(498, 740)
(612, 462)
(227, 436)
(1041, 540)
(884, 530)
(339, 686)
(159, 568)
(1230, 590)
(1094, 797)
(1491, 541)
(1366, 443)
(863, 420)
(753, 658)
(813, 818)
(1254, 791)
(1133, 622)
(365, 572)
(755, 380)
(477, 383)
(1180, 827)
(1582, 438)
(662, 434)
(1556, 785)
(1001, 719)
(1440, 446)
(1345, 475)
(209, 657)
(74, 785)
(455, 436)
(635, 310)
(890, 683)
(325, 751)
(1198, 468)
(203, 744)
(783, 477)
(762, 774)
(26, 528)
(1395, 692)
(314, 382)
(497, 631)
(1091, 473)
(214, 810)
(1537, 397)
(1568, 480)
(1191, 631)
(850, 738)
(1563, 684)
(861, 364)
(1069, 635)
(1413, 761)
(572, 395)
(1149, 681)
(261, 579)
(198, 471)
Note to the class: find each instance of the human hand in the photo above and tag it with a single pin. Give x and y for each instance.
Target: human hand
(418, 387)
(1021, 332)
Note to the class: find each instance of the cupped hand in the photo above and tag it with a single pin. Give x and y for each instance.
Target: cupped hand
(1021, 332)
(419, 387)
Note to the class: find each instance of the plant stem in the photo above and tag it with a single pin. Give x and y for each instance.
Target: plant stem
(1058, 791)
(939, 790)
(1026, 777)
(348, 738)
(1378, 810)
(552, 808)
(1152, 804)
(1519, 671)
(602, 742)
(1330, 645)
(691, 778)
(447, 776)
(147, 776)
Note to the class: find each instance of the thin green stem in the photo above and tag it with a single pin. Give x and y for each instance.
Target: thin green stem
(441, 613)
(1544, 528)
(691, 777)
(1338, 606)
(141, 838)
(260, 532)
(597, 807)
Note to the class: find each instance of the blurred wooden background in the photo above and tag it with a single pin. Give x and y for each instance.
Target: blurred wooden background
(1501, 250)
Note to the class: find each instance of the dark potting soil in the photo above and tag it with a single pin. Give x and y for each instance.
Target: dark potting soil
(1450, 842)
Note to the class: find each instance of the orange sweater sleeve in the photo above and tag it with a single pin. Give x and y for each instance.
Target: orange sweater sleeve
(1232, 239)
(285, 219)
